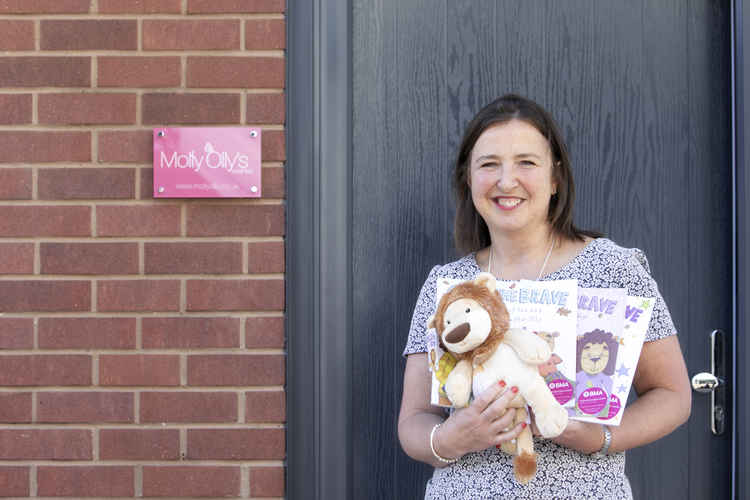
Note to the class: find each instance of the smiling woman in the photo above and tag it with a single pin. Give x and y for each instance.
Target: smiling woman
(514, 219)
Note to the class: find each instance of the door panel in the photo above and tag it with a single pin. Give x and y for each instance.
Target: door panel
(641, 92)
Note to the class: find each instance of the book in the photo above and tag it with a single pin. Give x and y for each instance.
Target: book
(637, 317)
(601, 313)
(544, 308)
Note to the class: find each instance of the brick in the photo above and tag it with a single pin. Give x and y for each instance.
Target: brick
(235, 295)
(235, 444)
(155, 220)
(85, 407)
(86, 183)
(265, 34)
(235, 220)
(205, 34)
(138, 295)
(45, 370)
(44, 6)
(265, 406)
(147, 183)
(204, 481)
(44, 221)
(16, 35)
(140, 6)
(234, 6)
(15, 109)
(32, 295)
(45, 444)
(265, 257)
(86, 481)
(16, 333)
(85, 34)
(264, 333)
(14, 481)
(15, 183)
(191, 108)
(193, 258)
(273, 182)
(140, 72)
(44, 147)
(235, 369)
(16, 258)
(235, 72)
(87, 333)
(45, 71)
(193, 407)
(89, 258)
(273, 147)
(266, 108)
(190, 333)
(139, 444)
(126, 146)
(15, 408)
(139, 370)
(86, 109)
(267, 481)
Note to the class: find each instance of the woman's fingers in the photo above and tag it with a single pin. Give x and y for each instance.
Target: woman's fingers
(510, 434)
(499, 406)
(504, 422)
(487, 397)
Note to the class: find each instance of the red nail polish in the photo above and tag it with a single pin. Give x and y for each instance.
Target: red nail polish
(514, 389)
(497, 446)
(502, 383)
(523, 425)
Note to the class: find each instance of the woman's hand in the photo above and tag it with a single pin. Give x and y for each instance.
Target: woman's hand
(480, 425)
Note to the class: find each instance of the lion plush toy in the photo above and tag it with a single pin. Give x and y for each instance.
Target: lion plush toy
(473, 324)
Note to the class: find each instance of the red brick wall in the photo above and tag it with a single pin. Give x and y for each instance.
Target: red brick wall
(141, 341)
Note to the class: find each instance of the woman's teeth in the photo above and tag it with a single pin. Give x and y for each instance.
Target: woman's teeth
(508, 202)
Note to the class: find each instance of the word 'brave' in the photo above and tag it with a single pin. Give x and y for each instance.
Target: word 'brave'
(534, 296)
(596, 304)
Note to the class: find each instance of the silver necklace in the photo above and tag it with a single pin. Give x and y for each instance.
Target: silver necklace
(541, 270)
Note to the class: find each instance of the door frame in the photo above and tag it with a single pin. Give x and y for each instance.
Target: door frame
(741, 264)
(318, 249)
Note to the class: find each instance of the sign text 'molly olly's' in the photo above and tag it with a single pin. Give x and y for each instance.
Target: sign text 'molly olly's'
(209, 158)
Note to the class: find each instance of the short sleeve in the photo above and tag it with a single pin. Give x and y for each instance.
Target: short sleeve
(639, 282)
(424, 308)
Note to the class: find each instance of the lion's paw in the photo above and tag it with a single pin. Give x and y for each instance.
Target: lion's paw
(553, 422)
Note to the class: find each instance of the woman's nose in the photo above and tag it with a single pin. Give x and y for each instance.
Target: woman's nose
(507, 178)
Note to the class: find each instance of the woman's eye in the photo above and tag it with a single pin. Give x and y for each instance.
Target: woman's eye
(528, 164)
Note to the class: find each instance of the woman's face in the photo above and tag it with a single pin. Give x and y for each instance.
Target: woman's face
(511, 177)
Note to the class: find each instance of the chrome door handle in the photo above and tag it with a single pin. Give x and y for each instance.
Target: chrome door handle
(714, 382)
(705, 382)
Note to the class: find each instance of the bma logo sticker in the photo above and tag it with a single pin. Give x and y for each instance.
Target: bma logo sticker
(201, 162)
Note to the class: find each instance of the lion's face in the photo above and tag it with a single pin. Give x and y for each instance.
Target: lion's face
(594, 357)
(466, 324)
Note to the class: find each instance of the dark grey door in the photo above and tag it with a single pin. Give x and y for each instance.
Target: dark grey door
(642, 92)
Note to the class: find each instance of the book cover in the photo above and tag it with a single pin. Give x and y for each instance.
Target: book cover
(601, 314)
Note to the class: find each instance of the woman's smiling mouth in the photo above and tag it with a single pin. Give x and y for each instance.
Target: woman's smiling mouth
(507, 203)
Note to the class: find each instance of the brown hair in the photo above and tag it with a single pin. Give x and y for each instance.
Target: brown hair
(490, 301)
(470, 231)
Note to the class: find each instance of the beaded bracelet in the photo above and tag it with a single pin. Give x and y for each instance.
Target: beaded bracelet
(432, 447)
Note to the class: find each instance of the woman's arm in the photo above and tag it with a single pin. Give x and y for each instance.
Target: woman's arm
(474, 428)
(663, 403)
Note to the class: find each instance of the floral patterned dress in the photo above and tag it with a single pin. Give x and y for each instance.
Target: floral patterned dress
(562, 473)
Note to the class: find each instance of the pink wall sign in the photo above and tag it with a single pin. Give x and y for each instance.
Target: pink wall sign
(207, 162)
